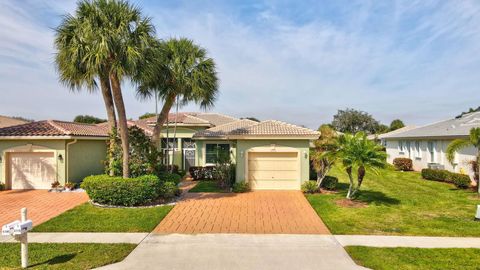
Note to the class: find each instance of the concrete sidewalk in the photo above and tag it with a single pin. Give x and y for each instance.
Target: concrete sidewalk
(237, 251)
(132, 238)
(408, 241)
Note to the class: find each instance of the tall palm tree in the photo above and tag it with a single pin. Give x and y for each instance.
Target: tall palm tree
(472, 140)
(73, 73)
(179, 69)
(113, 38)
(358, 153)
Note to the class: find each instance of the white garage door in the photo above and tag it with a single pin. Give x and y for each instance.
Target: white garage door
(33, 170)
(274, 170)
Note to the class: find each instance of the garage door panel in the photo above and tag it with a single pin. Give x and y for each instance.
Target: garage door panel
(273, 170)
(33, 170)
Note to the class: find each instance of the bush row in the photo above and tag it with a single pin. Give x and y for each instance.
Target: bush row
(403, 164)
(141, 190)
(459, 180)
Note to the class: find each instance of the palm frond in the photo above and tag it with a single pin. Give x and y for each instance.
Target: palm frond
(454, 147)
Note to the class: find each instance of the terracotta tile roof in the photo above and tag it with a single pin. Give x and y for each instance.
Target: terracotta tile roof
(247, 127)
(192, 118)
(6, 121)
(55, 128)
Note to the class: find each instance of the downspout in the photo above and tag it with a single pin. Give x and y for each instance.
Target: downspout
(67, 161)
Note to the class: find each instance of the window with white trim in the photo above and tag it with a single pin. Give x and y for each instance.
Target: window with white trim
(401, 147)
(431, 151)
(418, 150)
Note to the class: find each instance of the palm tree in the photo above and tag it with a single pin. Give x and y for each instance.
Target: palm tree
(73, 71)
(324, 154)
(358, 153)
(179, 70)
(112, 38)
(472, 140)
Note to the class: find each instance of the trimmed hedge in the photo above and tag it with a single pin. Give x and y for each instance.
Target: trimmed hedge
(458, 179)
(329, 182)
(109, 190)
(403, 164)
(170, 177)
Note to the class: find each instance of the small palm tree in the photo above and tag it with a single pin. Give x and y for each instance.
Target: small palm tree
(110, 38)
(358, 153)
(472, 140)
(179, 70)
(324, 154)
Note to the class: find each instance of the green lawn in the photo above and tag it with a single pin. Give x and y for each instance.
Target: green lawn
(400, 203)
(415, 258)
(88, 218)
(207, 186)
(63, 256)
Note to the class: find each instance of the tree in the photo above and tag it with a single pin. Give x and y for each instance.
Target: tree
(472, 140)
(88, 119)
(324, 154)
(470, 110)
(146, 115)
(111, 36)
(396, 124)
(358, 153)
(178, 70)
(353, 121)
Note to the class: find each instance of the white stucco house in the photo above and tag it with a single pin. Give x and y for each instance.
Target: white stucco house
(426, 145)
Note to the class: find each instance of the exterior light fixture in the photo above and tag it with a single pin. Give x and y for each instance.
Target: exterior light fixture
(305, 154)
(241, 153)
(60, 157)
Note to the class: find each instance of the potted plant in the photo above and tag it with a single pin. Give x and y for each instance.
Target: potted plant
(69, 186)
(56, 186)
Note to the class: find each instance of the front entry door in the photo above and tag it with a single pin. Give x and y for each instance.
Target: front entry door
(188, 158)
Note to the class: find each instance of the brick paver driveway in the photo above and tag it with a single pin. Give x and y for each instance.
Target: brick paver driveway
(41, 204)
(259, 212)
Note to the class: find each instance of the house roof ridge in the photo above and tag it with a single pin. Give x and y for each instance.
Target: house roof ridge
(221, 114)
(58, 127)
(202, 120)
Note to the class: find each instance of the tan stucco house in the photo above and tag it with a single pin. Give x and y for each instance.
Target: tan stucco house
(426, 145)
(6, 121)
(268, 154)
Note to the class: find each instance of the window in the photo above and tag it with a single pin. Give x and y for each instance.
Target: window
(408, 146)
(188, 143)
(172, 143)
(401, 147)
(216, 152)
(418, 151)
(431, 151)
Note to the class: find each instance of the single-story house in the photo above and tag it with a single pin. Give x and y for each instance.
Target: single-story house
(34, 155)
(426, 145)
(268, 154)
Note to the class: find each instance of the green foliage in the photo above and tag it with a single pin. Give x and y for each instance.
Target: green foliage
(353, 121)
(207, 186)
(2, 186)
(241, 187)
(224, 173)
(309, 187)
(396, 124)
(470, 110)
(329, 182)
(109, 190)
(168, 190)
(170, 177)
(324, 154)
(88, 119)
(403, 164)
(146, 115)
(458, 179)
(144, 156)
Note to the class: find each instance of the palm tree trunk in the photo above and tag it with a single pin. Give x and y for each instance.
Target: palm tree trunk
(122, 122)
(162, 117)
(350, 178)
(112, 121)
(360, 176)
(174, 137)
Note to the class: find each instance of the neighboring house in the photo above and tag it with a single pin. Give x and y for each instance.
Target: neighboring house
(34, 155)
(268, 154)
(6, 121)
(381, 137)
(426, 145)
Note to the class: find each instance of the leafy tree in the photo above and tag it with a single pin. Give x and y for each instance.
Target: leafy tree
(396, 124)
(324, 153)
(358, 153)
(472, 140)
(88, 119)
(105, 39)
(353, 121)
(146, 115)
(179, 70)
(469, 111)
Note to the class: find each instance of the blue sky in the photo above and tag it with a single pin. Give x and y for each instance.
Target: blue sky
(296, 61)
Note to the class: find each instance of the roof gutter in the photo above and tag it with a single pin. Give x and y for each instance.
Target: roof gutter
(67, 161)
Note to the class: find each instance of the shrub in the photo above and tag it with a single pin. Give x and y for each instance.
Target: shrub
(460, 180)
(312, 172)
(182, 173)
(241, 187)
(168, 190)
(329, 182)
(309, 187)
(2, 186)
(172, 168)
(170, 177)
(109, 190)
(202, 173)
(403, 164)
